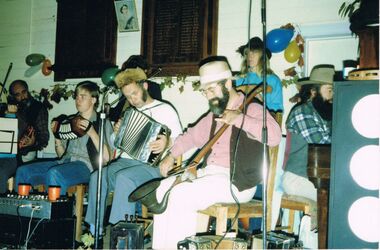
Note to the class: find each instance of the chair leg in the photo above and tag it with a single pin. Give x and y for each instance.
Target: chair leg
(79, 211)
(291, 221)
(202, 222)
(221, 220)
(11, 183)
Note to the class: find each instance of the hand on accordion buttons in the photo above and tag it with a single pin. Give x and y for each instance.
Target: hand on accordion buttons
(158, 145)
(117, 125)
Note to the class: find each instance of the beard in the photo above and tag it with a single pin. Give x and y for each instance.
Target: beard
(144, 95)
(218, 104)
(324, 108)
(24, 104)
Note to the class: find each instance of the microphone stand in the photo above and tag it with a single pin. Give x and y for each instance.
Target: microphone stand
(264, 132)
(100, 167)
(5, 80)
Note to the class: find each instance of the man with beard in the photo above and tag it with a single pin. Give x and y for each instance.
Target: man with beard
(33, 133)
(224, 176)
(309, 122)
(32, 118)
(125, 174)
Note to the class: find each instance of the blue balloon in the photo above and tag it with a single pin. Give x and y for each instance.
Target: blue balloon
(108, 76)
(278, 39)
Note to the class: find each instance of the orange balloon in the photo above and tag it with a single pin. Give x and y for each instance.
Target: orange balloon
(46, 67)
(292, 52)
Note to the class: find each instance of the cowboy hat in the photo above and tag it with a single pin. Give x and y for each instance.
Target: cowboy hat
(214, 71)
(320, 74)
(255, 43)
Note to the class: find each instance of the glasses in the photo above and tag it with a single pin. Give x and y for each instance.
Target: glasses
(211, 88)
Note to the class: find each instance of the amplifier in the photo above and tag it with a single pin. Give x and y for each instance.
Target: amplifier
(16, 231)
(275, 240)
(36, 206)
(127, 235)
(211, 241)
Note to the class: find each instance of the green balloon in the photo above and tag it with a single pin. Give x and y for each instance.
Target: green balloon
(108, 76)
(34, 59)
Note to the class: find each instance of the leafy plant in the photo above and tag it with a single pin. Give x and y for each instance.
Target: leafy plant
(347, 8)
(180, 80)
(87, 241)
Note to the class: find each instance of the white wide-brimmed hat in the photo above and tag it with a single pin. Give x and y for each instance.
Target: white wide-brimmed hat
(214, 71)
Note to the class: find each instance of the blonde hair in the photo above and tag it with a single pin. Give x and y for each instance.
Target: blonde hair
(260, 67)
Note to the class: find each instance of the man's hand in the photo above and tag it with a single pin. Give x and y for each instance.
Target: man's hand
(117, 125)
(12, 109)
(166, 165)
(229, 116)
(158, 145)
(29, 139)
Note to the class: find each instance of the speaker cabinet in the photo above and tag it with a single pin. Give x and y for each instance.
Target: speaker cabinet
(354, 220)
(47, 234)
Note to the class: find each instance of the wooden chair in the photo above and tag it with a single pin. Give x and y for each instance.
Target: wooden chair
(294, 203)
(252, 209)
(79, 191)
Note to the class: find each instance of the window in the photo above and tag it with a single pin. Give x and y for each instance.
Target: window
(86, 38)
(177, 34)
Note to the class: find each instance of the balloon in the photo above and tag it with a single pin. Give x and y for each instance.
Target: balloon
(278, 39)
(46, 67)
(32, 70)
(292, 52)
(108, 76)
(34, 59)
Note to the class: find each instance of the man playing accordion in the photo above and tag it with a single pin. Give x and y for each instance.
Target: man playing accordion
(78, 157)
(125, 174)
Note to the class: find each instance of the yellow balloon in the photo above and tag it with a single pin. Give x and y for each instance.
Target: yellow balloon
(292, 52)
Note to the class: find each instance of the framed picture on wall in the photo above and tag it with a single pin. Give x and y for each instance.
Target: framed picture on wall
(126, 15)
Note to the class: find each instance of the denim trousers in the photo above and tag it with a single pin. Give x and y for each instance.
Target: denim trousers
(122, 176)
(53, 173)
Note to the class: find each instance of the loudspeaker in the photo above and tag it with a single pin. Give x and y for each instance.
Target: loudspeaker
(355, 166)
(51, 234)
(127, 235)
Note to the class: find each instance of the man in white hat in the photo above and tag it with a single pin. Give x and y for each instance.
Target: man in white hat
(215, 183)
(308, 122)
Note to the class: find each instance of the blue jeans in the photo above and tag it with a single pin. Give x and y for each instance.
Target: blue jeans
(53, 173)
(122, 176)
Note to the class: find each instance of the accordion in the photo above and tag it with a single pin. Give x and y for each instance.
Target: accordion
(136, 132)
(67, 127)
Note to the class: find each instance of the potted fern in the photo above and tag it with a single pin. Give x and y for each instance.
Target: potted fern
(364, 22)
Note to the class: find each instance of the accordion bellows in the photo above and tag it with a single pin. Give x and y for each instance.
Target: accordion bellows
(136, 132)
(67, 127)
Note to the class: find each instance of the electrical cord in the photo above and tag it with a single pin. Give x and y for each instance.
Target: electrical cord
(20, 223)
(244, 111)
(236, 217)
(34, 229)
(29, 225)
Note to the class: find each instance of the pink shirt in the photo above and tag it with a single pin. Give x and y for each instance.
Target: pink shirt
(199, 135)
